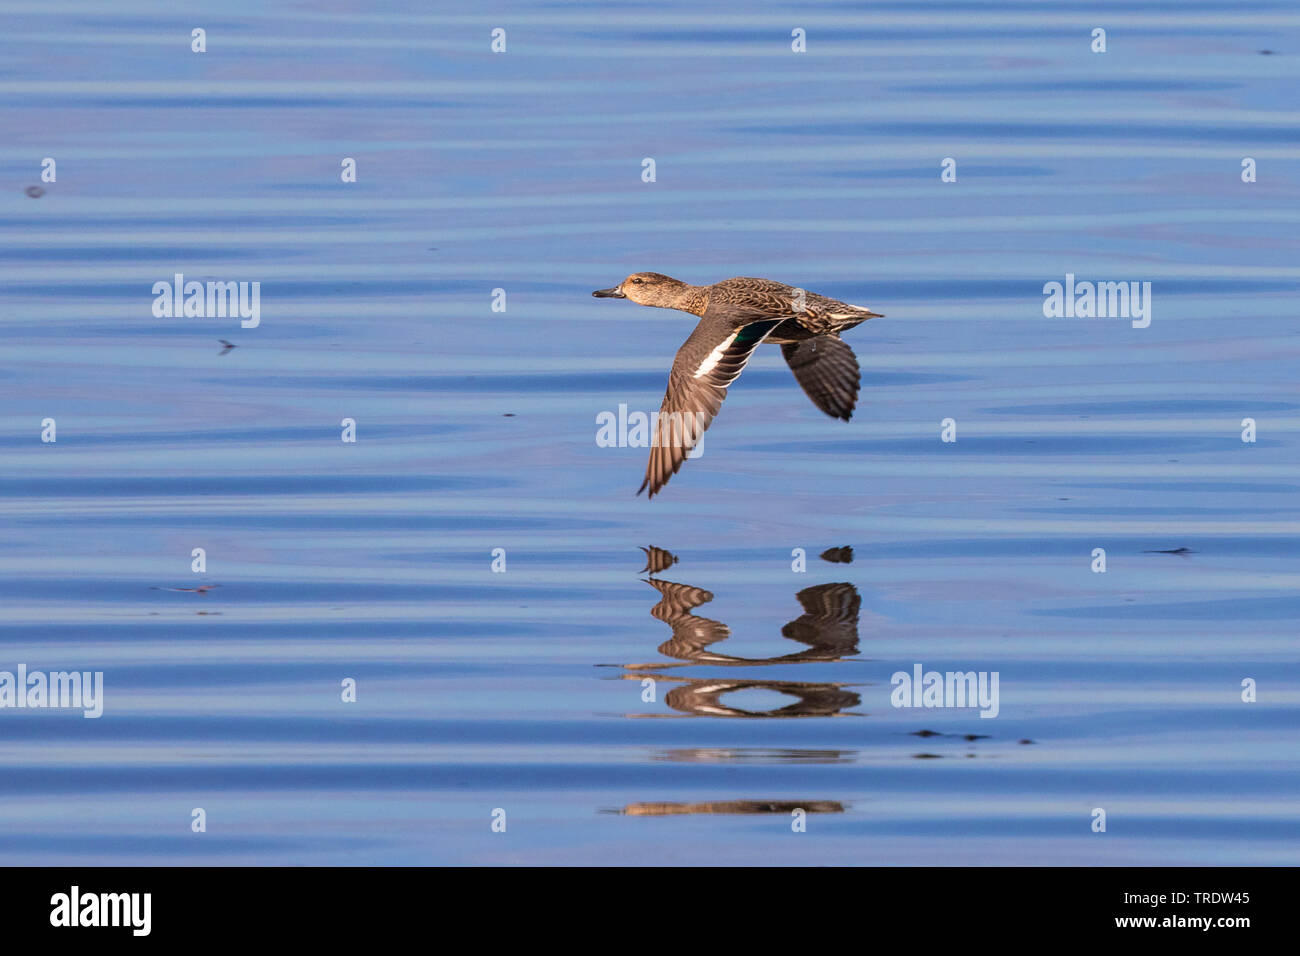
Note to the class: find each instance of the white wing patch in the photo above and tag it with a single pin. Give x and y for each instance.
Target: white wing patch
(715, 356)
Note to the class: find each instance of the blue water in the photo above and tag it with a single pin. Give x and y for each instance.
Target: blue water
(524, 690)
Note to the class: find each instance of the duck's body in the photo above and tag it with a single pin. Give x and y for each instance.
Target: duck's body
(736, 316)
(818, 315)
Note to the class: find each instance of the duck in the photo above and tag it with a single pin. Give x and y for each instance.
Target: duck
(736, 316)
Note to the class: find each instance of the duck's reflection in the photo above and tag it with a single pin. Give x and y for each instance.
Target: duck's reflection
(755, 755)
(657, 559)
(732, 806)
(703, 698)
(829, 625)
(828, 628)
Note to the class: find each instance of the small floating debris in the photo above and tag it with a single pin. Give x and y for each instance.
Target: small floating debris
(657, 559)
(36, 192)
(227, 346)
(926, 757)
(842, 555)
(1026, 740)
(507, 414)
(201, 589)
(935, 733)
(1172, 551)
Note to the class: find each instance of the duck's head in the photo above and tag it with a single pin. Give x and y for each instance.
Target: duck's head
(647, 288)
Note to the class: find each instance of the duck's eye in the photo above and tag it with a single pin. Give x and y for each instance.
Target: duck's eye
(636, 281)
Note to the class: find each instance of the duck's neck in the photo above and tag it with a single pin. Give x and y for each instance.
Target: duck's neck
(693, 299)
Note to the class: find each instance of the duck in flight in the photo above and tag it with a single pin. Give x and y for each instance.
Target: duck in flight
(736, 316)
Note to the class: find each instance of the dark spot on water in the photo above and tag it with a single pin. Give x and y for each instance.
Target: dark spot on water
(976, 737)
(842, 555)
(1172, 551)
(507, 414)
(927, 757)
(36, 192)
(1025, 740)
(202, 589)
(926, 733)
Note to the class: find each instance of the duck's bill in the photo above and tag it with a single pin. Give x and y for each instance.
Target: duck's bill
(609, 294)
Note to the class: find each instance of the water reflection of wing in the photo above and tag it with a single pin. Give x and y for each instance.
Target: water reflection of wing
(691, 634)
(829, 624)
(732, 806)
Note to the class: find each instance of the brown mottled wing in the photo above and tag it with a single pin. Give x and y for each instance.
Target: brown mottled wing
(827, 370)
(710, 360)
